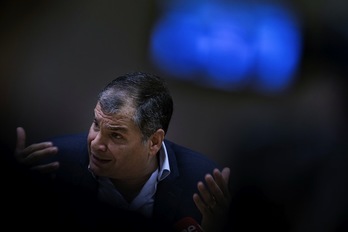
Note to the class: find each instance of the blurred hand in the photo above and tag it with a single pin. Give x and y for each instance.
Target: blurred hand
(213, 200)
(33, 155)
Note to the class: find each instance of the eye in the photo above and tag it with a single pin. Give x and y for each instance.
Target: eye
(95, 123)
(116, 135)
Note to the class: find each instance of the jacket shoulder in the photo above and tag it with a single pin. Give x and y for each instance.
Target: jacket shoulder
(187, 157)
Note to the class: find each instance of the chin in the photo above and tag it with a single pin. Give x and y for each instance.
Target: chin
(94, 169)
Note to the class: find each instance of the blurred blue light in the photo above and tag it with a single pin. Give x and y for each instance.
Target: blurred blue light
(173, 45)
(228, 45)
(279, 46)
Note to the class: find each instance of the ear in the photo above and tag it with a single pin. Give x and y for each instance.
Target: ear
(156, 140)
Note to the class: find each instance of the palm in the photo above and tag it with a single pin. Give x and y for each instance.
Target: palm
(214, 200)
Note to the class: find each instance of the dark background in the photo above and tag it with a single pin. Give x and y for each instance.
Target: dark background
(287, 150)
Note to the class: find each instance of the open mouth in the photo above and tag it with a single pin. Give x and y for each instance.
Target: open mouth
(99, 160)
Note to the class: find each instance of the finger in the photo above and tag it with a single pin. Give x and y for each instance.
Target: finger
(38, 152)
(209, 192)
(46, 168)
(226, 174)
(222, 179)
(20, 145)
(27, 155)
(202, 199)
(37, 147)
(214, 188)
(199, 203)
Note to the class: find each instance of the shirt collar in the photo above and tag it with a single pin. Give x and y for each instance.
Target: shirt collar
(164, 168)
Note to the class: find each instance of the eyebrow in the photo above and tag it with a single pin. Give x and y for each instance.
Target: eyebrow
(116, 128)
(111, 127)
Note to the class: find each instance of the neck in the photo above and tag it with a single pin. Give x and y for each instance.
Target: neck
(130, 188)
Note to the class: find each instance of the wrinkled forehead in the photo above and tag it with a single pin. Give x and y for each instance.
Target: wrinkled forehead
(124, 112)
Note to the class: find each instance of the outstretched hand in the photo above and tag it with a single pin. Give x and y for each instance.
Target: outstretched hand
(33, 155)
(213, 200)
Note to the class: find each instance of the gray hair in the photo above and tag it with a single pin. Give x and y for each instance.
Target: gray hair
(146, 93)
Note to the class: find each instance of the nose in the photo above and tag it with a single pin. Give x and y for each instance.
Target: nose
(98, 143)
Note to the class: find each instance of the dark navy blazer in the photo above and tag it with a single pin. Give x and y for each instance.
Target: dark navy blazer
(173, 199)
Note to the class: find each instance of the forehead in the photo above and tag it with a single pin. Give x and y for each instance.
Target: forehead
(124, 116)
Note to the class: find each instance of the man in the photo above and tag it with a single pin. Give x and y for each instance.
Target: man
(124, 161)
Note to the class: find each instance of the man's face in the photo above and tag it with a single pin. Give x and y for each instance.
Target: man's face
(116, 148)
